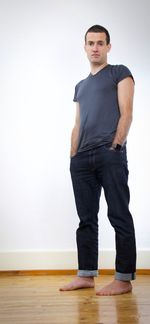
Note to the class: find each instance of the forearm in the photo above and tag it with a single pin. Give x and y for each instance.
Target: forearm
(122, 129)
(74, 140)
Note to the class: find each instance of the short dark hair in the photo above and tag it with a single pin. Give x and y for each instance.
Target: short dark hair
(98, 29)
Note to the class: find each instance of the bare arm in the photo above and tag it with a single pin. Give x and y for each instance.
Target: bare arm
(75, 132)
(125, 99)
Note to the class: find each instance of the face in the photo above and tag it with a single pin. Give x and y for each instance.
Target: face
(96, 48)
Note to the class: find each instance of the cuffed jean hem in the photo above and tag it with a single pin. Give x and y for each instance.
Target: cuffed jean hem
(87, 273)
(125, 276)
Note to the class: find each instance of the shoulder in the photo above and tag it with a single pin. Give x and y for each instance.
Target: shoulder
(80, 83)
(120, 72)
(118, 68)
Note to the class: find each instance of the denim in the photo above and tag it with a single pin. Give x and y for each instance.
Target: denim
(90, 172)
(87, 273)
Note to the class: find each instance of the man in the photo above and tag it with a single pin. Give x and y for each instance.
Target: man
(104, 103)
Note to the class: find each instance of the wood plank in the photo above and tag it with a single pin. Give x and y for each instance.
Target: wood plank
(37, 299)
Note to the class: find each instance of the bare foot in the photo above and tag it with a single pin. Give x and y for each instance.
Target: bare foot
(117, 287)
(79, 283)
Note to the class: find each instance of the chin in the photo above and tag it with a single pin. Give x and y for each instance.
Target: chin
(96, 61)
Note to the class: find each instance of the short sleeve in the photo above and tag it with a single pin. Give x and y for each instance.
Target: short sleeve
(75, 94)
(121, 72)
(77, 90)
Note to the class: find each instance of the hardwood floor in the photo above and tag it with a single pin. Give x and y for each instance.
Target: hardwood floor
(37, 299)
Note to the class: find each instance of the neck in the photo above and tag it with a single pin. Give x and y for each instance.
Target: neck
(97, 67)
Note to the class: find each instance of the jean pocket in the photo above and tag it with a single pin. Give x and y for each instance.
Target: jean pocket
(107, 147)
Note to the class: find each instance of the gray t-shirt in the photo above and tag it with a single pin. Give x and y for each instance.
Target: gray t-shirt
(99, 109)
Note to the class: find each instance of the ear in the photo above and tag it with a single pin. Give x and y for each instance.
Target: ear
(109, 48)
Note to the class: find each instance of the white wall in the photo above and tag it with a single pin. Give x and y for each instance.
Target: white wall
(41, 60)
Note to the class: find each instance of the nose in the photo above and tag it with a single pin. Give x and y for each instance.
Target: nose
(95, 47)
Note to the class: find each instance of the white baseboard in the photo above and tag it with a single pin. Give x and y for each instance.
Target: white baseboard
(58, 260)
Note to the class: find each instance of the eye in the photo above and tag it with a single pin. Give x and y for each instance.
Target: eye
(101, 43)
(90, 43)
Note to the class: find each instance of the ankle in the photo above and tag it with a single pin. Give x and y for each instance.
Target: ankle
(123, 281)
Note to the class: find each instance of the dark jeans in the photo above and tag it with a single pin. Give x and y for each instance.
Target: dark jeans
(90, 171)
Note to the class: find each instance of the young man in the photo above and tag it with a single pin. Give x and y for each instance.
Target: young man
(104, 103)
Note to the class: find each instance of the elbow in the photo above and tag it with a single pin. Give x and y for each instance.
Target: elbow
(127, 117)
(131, 118)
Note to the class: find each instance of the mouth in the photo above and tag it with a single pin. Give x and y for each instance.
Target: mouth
(95, 55)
